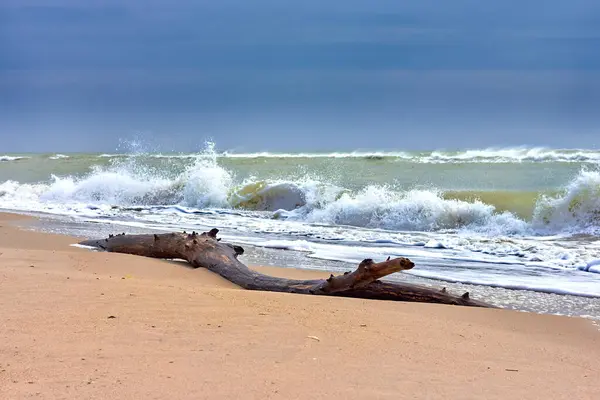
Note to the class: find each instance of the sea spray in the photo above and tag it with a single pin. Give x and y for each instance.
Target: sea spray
(203, 182)
(12, 158)
(206, 184)
(418, 210)
(575, 210)
(520, 218)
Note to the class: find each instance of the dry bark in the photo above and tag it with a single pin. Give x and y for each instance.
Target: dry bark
(207, 251)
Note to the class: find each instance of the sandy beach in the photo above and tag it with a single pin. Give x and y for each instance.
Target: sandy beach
(78, 324)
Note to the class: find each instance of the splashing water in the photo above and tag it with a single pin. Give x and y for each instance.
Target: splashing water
(312, 208)
(576, 210)
(204, 183)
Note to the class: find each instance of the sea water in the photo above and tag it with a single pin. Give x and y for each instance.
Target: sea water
(517, 218)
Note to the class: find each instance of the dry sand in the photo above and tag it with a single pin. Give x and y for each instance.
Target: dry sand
(180, 333)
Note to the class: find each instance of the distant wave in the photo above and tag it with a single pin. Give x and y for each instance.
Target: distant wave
(58, 157)
(108, 155)
(354, 154)
(151, 155)
(489, 155)
(12, 158)
(518, 154)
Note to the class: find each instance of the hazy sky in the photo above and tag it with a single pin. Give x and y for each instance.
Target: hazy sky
(312, 75)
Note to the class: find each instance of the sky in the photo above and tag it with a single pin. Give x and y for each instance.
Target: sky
(307, 76)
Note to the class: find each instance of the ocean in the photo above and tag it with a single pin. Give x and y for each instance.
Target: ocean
(523, 220)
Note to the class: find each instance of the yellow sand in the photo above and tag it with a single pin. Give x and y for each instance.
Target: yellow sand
(180, 333)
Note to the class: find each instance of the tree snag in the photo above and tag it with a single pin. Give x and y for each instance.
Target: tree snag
(207, 251)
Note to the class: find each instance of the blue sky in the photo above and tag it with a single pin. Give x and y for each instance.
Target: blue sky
(317, 75)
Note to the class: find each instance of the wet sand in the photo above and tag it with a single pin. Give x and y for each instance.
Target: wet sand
(85, 325)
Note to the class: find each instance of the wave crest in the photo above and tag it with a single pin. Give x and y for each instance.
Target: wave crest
(206, 184)
(489, 155)
(577, 208)
(13, 158)
(416, 210)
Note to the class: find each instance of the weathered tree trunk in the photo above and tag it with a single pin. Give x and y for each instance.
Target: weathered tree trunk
(206, 251)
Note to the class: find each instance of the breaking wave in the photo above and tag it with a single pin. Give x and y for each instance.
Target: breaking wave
(489, 155)
(12, 158)
(576, 208)
(206, 184)
(518, 154)
(59, 157)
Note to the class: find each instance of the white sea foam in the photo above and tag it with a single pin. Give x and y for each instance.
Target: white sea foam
(206, 184)
(576, 209)
(488, 155)
(378, 220)
(452, 265)
(420, 210)
(81, 246)
(113, 155)
(592, 266)
(59, 157)
(12, 158)
(353, 154)
(517, 154)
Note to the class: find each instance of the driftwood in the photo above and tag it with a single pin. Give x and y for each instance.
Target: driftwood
(207, 251)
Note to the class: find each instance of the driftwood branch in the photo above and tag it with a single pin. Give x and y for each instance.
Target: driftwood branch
(207, 251)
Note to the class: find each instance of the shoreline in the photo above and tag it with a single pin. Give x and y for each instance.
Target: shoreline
(69, 240)
(341, 216)
(508, 298)
(184, 333)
